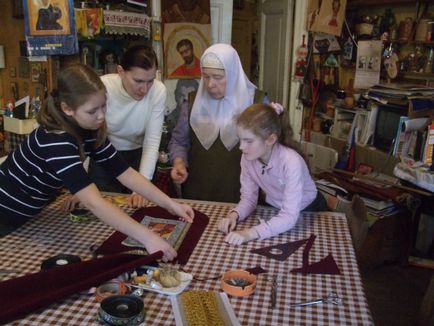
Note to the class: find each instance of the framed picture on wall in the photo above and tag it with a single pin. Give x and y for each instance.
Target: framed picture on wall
(23, 67)
(17, 9)
(36, 69)
(14, 90)
(12, 72)
(184, 44)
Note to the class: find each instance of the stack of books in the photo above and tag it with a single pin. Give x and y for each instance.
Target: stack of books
(419, 96)
(380, 208)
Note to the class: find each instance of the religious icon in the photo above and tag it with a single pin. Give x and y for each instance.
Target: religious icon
(48, 17)
(173, 231)
(184, 44)
(326, 16)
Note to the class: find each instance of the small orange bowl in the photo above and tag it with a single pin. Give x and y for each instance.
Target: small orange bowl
(238, 283)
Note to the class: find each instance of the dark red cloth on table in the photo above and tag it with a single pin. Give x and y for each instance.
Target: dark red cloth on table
(22, 295)
(326, 265)
(283, 250)
(114, 243)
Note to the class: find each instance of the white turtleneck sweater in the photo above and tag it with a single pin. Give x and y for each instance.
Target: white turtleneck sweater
(135, 124)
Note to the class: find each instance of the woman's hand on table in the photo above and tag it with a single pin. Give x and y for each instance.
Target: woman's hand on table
(136, 201)
(240, 237)
(179, 171)
(71, 203)
(184, 211)
(228, 223)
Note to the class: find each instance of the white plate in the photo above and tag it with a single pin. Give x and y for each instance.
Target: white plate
(169, 291)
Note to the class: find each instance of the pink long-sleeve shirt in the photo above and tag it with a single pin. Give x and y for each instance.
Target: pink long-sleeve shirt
(287, 184)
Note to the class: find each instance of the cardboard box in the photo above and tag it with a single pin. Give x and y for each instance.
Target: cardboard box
(18, 126)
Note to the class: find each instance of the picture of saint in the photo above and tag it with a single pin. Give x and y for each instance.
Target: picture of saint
(332, 21)
(48, 17)
(184, 44)
(162, 229)
(191, 65)
(326, 16)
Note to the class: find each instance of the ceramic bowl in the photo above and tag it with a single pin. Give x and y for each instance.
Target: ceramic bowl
(231, 278)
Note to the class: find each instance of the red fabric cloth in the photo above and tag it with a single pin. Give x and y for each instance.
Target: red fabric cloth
(22, 295)
(114, 243)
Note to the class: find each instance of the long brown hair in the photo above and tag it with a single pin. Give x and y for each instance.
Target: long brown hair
(263, 121)
(75, 84)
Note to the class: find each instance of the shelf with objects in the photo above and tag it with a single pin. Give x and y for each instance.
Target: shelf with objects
(347, 69)
(104, 31)
(406, 31)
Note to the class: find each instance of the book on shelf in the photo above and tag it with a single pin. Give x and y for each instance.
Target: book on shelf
(403, 89)
(330, 188)
(378, 204)
(410, 138)
(429, 144)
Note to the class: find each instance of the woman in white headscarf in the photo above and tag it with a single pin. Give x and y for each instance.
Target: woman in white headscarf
(203, 148)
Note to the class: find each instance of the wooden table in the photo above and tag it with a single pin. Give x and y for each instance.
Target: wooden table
(52, 233)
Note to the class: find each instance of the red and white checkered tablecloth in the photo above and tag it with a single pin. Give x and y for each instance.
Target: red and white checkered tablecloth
(52, 233)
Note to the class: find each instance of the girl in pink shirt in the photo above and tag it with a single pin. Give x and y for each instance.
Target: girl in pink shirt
(269, 162)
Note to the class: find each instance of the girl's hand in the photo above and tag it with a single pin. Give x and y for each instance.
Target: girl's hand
(240, 237)
(155, 243)
(185, 212)
(136, 201)
(228, 223)
(179, 172)
(72, 202)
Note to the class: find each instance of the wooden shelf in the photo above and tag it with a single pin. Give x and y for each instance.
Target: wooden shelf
(417, 75)
(424, 43)
(382, 2)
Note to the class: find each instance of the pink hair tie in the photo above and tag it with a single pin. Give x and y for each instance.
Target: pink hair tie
(278, 108)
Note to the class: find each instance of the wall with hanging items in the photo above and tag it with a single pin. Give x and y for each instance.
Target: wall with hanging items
(380, 42)
(19, 77)
(406, 31)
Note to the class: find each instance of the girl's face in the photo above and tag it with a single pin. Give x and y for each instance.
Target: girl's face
(91, 114)
(214, 81)
(137, 81)
(254, 147)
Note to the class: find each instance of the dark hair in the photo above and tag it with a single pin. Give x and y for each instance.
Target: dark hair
(184, 42)
(141, 56)
(75, 84)
(263, 121)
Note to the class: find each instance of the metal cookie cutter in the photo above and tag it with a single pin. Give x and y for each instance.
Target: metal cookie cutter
(332, 297)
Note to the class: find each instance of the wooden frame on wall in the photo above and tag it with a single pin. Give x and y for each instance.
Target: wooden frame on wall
(17, 9)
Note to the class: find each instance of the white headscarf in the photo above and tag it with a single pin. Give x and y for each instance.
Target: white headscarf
(209, 116)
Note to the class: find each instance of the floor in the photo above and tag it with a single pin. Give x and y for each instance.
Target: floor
(395, 292)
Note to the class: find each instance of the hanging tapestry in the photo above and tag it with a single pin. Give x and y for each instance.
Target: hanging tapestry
(50, 27)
